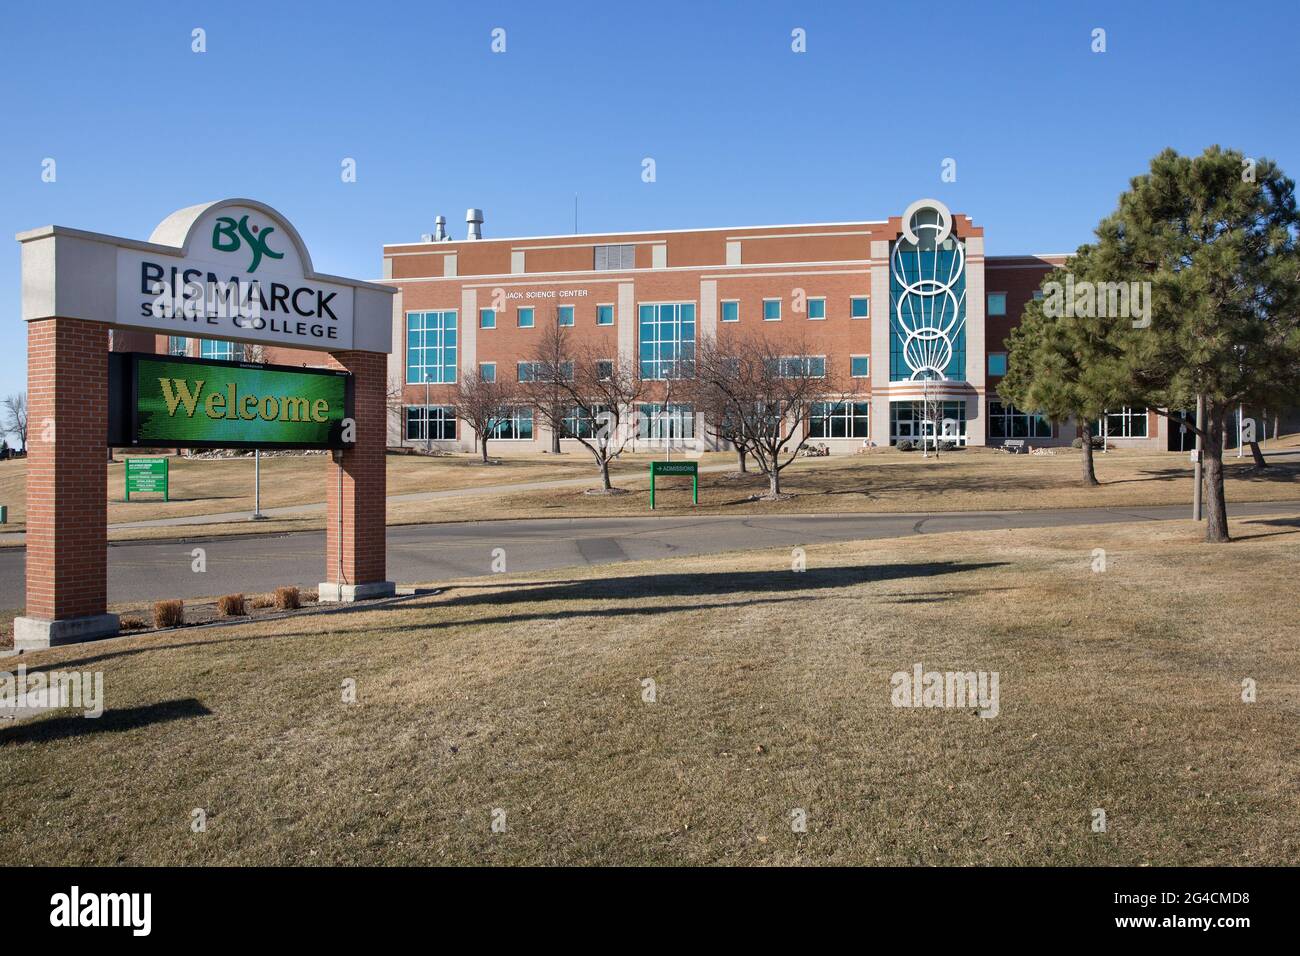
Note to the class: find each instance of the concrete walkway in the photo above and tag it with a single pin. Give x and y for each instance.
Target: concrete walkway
(290, 511)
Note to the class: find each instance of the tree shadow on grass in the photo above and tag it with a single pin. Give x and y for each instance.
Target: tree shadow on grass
(111, 721)
(1271, 523)
(652, 594)
(709, 583)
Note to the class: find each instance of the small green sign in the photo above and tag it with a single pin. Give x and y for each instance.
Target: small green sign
(675, 469)
(146, 474)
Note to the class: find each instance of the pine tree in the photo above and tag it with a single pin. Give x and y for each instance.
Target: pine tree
(1216, 236)
(1062, 364)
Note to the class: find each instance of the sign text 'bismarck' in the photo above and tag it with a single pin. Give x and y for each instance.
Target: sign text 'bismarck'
(202, 297)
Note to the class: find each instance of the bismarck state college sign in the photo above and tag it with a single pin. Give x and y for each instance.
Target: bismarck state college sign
(234, 269)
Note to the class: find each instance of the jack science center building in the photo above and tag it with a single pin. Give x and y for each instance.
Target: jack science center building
(885, 304)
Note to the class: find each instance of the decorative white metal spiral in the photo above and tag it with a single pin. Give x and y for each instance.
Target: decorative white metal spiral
(929, 310)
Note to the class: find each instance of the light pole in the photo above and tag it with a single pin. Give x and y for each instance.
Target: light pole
(1196, 472)
(257, 485)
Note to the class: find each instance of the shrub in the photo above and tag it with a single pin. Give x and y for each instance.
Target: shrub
(1097, 443)
(231, 605)
(168, 613)
(308, 597)
(947, 445)
(130, 624)
(287, 599)
(905, 445)
(261, 601)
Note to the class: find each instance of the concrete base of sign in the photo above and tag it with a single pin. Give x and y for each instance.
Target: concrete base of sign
(330, 593)
(34, 634)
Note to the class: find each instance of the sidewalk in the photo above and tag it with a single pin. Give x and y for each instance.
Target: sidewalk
(288, 511)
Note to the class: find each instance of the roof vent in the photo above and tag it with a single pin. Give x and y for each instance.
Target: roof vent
(440, 229)
(474, 217)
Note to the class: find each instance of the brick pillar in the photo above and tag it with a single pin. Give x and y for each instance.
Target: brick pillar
(67, 485)
(355, 541)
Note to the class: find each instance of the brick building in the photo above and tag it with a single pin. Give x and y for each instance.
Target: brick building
(886, 304)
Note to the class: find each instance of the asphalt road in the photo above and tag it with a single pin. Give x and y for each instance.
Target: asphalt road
(421, 554)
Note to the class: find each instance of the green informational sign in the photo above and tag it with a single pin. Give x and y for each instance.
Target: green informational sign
(675, 469)
(146, 474)
(180, 402)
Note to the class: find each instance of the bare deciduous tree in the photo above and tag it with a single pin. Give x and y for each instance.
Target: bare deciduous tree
(15, 417)
(549, 368)
(765, 387)
(719, 422)
(601, 397)
(484, 405)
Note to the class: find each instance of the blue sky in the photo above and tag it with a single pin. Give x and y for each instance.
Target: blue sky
(1045, 133)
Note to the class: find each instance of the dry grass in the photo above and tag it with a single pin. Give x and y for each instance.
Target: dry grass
(887, 480)
(1119, 690)
(209, 486)
(880, 481)
(168, 613)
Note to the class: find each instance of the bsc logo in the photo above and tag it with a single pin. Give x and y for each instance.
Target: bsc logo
(227, 235)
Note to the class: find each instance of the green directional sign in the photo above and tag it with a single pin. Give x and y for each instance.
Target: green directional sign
(675, 469)
(146, 475)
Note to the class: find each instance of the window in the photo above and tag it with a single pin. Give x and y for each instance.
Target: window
(604, 370)
(771, 310)
(615, 257)
(1124, 423)
(800, 366)
(667, 340)
(565, 314)
(1007, 421)
(604, 315)
(839, 420)
(178, 345)
(487, 371)
(487, 318)
(997, 363)
(518, 427)
(221, 350)
(860, 366)
(431, 347)
(730, 310)
(526, 317)
(536, 371)
(579, 424)
(439, 419)
(860, 307)
(661, 422)
(997, 303)
(817, 308)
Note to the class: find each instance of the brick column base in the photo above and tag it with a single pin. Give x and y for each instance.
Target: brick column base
(355, 503)
(67, 485)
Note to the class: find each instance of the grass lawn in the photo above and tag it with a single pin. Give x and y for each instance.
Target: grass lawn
(887, 480)
(1119, 690)
(211, 486)
(882, 480)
